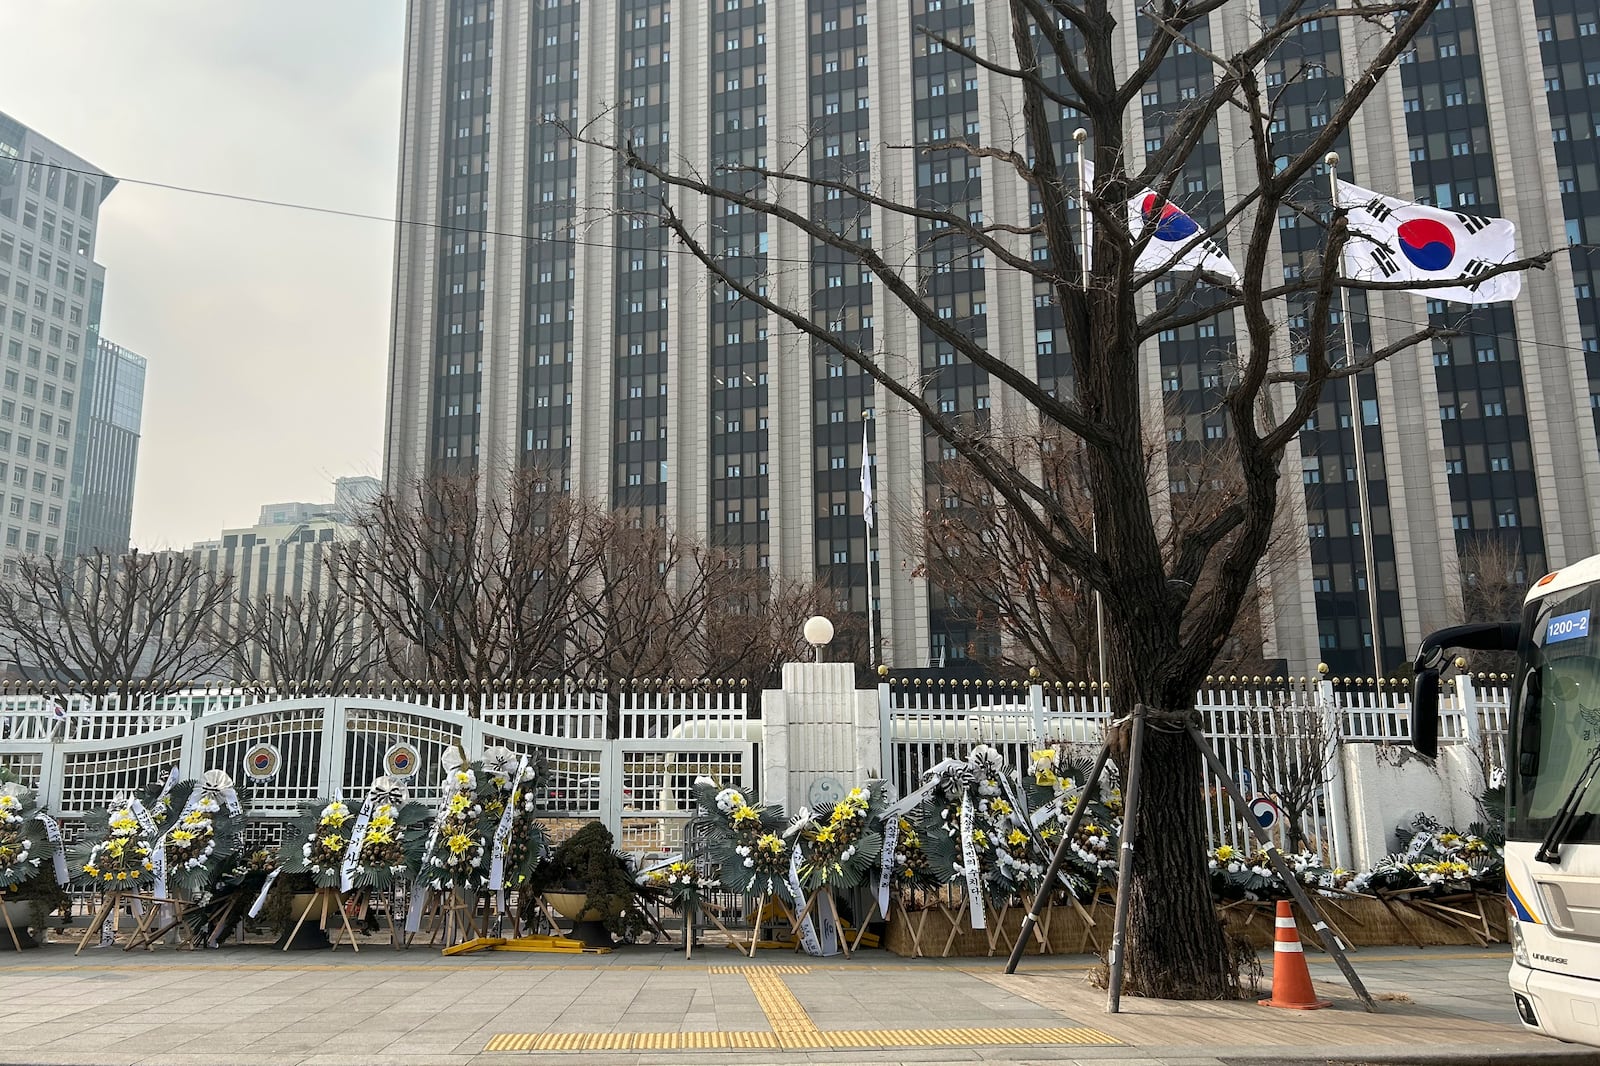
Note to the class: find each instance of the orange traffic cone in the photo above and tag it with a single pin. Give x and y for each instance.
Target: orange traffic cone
(1291, 981)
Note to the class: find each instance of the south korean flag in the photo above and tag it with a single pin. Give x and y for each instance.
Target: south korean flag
(1397, 241)
(1175, 243)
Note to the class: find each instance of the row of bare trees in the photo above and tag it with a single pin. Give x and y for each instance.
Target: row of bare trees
(531, 582)
(446, 582)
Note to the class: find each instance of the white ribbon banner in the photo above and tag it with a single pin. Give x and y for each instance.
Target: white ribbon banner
(808, 932)
(969, 863)
(502, 832)
(261, 898)
(419, 890)
(891, 828)
(352, 850)
(52, 832)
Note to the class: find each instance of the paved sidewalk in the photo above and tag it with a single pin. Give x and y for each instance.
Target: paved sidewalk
(256, 1007)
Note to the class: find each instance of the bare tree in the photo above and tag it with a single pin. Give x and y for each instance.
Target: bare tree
(753, 623)
(463, 588)
(134, 621)
(1288, 748)
(318, 639)
(1494, 582)
(649, 593)
(1011, 588)
(1170, 608)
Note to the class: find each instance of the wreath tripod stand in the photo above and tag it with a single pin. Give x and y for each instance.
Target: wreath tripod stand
(1130, 799)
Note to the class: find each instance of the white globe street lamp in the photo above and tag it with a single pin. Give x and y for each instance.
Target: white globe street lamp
(818, 631)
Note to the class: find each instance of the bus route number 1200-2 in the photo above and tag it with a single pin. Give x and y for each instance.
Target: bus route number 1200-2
(1567, 627)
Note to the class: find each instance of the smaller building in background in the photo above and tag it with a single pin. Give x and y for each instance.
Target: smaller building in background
(100, 510)
(350, 496)
(286, 556)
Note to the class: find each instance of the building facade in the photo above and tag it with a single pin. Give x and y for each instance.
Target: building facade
(50, 296)
(287, 556)
(106, 460)
(538, 323)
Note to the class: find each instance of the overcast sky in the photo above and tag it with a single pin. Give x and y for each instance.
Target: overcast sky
(266, 329)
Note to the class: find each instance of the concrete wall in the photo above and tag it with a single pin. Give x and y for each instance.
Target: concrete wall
(1387, 786)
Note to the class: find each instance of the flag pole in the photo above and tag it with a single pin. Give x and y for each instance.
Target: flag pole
(1352, 382)
(1081, 135)
(866, 514)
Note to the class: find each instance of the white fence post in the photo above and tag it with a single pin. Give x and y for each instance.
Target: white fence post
(1467, 701)
(1041, 732)
(334, 735)
(611, 789)
(891, 772)
(1335, 795)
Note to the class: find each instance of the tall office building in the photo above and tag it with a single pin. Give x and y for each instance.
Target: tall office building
(50, 295)
(100, 509)
(538, 323)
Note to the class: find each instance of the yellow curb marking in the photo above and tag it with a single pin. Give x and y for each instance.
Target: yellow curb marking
(793, 1028)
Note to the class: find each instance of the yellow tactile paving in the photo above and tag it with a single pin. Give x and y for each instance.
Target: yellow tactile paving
(793, 1028)
(774, 1041)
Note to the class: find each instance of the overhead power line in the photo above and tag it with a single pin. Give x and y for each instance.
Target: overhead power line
(291, 205)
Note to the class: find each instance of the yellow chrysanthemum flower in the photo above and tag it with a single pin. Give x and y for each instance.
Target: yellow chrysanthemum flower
(460, 802)
(333, 842)
(459, 843)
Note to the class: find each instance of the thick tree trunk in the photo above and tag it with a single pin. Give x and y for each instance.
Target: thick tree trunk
(1175, 947)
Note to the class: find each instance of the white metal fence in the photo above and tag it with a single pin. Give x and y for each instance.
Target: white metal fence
(630, 759)
(1279, 738)
(79, 752)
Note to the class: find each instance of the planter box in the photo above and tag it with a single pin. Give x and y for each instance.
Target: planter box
(1361, 922)
(1064, 930)
(1370, 922)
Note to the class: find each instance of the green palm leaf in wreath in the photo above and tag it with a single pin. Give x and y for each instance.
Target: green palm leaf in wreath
(744, 839)
(314, 843)
(24, 846)
(841, 846)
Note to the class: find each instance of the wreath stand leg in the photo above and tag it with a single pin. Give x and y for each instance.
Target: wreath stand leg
(797, 920)
(838, 926)
(16, 943)
(148, 940)
(960, 914)
(396, 939)
(105, 913)
(914, 928)
(1041, 929)
(337, 898)
(221, 921)
(755, 924)
(303, 914)
(707, 911)
(147, 918)
(871, 910)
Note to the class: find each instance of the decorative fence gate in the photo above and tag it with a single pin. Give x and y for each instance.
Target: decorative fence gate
(80, 752)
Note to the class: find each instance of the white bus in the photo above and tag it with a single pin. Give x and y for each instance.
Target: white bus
(1552, 801)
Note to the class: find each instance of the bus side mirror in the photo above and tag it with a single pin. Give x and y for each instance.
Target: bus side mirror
(1425, 712)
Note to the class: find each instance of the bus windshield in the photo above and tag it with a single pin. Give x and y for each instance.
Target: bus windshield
(1555, 723)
